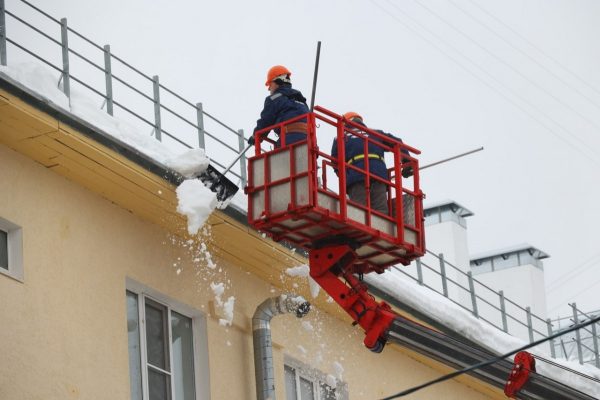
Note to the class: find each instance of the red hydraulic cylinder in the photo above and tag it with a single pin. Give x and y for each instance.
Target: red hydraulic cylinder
(328, 266)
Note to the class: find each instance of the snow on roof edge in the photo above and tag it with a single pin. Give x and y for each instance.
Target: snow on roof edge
(537, 253)
(441, 203)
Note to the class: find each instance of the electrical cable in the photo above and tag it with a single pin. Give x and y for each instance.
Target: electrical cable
(524, 53)
(573, 272)
(490, 361)
(556, 134)
(580, 292)
(535, 47)
(500, 60)
(555, 364)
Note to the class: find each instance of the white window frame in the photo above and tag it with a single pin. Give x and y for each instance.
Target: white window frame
(15, 250)
(315, 376)
(199, 335)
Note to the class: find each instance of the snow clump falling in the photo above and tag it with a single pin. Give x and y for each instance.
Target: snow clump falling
(307, 326)
(226, 307)
(304, 271)
(339, 370)
(301, 349)
(196, 202)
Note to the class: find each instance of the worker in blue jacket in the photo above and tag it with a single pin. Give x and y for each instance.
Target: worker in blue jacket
(283, 104)
(355, 180)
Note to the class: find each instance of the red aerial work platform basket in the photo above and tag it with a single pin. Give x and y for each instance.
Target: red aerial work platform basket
(297, 193)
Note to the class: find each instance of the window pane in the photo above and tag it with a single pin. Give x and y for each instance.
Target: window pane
(133, 338)
(327, 392)
(183, 356)
(290, 383)
(156, 335)
(3, 249)
(158, 385)
(306, 390)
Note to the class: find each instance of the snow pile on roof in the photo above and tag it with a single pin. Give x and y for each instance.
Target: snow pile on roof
(190, 163)
(454, 317)
(44, 82)
(38, 78)
(195, 200)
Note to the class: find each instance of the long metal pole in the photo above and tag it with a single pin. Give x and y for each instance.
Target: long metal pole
(314, 88)
(450, 158)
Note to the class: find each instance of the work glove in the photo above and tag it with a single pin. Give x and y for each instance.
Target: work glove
(407, 172)
(251, 140)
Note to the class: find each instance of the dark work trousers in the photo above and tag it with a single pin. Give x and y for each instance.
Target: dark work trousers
(378, 192)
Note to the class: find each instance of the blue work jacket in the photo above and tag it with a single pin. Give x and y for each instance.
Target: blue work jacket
(286, 103)
(354, 147)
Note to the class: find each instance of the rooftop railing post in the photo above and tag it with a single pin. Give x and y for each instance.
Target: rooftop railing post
(157, 126)
(473, 296)
(503, 311)
(577, 334)
(64, 37)
(550, 333)
(200, 114)
(443, 274)
(529, 324)
(595, 341)
(108, 76)
(419, 272)
(2, 33)
(242, 146)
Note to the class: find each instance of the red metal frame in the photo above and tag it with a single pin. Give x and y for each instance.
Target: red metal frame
(524, 364)
(325, 223)
(293, 223)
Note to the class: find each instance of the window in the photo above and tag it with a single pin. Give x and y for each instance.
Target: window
(164, 355)
(305, 383)
(3, 249)
(11, 249)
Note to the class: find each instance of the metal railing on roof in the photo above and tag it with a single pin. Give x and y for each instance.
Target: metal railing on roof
(142, 104)
(496, 309)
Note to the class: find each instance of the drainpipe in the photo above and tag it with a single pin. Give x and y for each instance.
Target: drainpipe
(263, 346)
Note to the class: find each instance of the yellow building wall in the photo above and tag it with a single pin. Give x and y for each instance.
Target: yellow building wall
(63, 332)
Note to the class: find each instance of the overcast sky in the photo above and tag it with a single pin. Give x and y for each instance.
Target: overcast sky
(521, 78)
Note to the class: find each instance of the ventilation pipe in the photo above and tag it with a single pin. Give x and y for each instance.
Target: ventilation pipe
(263, 346)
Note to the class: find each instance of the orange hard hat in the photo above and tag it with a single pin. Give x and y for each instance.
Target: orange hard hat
(277, 71)
(350, 115)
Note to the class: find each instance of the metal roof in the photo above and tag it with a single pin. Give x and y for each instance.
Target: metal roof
(534, 251)
(456, 207)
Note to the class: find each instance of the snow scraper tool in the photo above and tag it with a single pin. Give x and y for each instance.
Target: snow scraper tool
(217, 181)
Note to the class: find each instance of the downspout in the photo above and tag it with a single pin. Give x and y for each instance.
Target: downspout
(263, 346)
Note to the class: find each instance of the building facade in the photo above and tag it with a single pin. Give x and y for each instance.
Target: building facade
(104, 295)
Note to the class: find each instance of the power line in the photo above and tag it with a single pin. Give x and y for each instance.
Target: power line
(558, 280)
(535, 47)
(460, 64)
(491, 361)
(500, 60)
(523, 52)
(593, 285)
